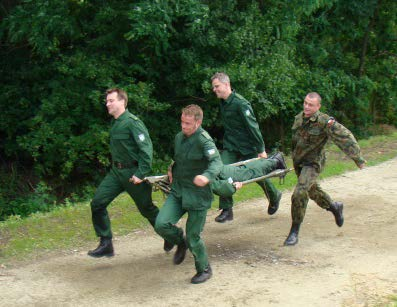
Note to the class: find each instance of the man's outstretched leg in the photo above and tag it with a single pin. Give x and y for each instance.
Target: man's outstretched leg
(306, 179)
(317, 194)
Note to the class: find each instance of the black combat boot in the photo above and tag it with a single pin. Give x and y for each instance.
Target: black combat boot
(273, 207)
(168, 246)
(180, 253)
(293, 235)
(280, 160)
(337, 209)
(226, 215)
(202, 276)
(104, 249)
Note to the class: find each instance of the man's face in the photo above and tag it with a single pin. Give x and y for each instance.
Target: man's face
(310, 106)
(114, 105)
(221, 90)
(189, 124)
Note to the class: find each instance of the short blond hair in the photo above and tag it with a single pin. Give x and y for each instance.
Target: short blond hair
(193, 110)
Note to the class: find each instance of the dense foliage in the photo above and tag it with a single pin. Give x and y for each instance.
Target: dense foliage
(58, 57)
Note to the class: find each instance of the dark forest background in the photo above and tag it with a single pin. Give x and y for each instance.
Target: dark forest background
(59, 56)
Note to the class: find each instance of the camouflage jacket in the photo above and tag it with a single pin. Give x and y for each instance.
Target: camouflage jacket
(310, 136)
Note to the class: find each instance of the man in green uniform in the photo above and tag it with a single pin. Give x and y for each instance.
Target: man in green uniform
(311, 131)
(131, 150)
(231, 177)
(242, 140)
(196, 164)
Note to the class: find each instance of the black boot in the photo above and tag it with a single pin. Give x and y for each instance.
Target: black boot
(104, 249)
(226, 215)
(180, 253)
(202, 276)
(168, 246)
(337, 209)
(279, 157)
(273, 207)
(293, 235)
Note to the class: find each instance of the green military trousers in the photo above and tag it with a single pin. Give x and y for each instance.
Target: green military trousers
(229, 157)
(253, 170)
(115, 182)
(306, 187)
(169, 215)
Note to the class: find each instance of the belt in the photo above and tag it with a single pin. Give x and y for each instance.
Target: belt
(120, 165)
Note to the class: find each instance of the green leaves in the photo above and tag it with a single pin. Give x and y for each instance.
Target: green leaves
(58, 58)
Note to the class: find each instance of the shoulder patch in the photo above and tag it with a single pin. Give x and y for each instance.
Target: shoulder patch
(330, 122)
(206, 135)
(211, 151)
(141, 137)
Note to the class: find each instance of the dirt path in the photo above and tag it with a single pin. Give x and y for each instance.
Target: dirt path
(355, 265)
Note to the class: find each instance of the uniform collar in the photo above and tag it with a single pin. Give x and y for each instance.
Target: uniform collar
(123, 115)
(312, 118)
(231, 97)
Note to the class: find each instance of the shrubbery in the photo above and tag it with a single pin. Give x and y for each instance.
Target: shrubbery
(58, 57)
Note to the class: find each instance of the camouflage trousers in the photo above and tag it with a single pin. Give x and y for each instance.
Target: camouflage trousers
(306, 187)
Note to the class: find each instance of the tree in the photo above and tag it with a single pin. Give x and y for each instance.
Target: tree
(58, 58)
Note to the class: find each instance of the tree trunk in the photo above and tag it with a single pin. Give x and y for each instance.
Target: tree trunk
(371, 25)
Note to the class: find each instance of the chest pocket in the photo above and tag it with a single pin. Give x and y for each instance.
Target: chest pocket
(120, 136)
(314, 131)
(195, 156)
(315, 135)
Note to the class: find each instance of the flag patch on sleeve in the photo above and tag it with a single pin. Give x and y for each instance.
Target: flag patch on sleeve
(211, 151)
(141, 137)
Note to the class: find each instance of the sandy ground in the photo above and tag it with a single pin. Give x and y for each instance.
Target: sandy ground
(355, 265)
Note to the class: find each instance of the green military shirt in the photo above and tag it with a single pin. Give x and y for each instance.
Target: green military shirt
(194, 155)
(310, 136)
(242, 132)
(130, 144)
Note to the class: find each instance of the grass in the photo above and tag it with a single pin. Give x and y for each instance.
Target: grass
(69, 228)
(388, 301)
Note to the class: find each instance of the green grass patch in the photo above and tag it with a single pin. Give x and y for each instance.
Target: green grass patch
(69, 227)
(388, 301)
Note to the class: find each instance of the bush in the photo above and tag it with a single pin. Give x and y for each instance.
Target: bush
(41, 200)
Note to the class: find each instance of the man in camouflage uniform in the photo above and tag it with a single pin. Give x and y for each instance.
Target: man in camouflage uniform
(230, 178)
(311, 131)
(197, 163)
(242, 141)
(131, 150)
